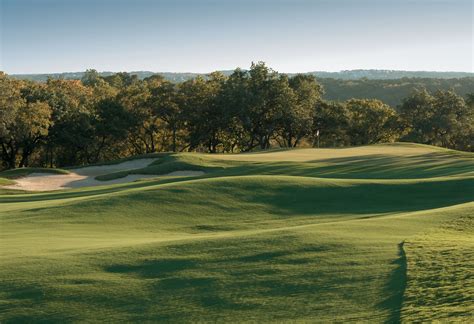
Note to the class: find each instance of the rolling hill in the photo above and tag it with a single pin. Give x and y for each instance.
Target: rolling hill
(379, 233)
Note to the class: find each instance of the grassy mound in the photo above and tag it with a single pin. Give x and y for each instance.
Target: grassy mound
(389, 161)
(170, 163)
(23, 172)
(296, 235)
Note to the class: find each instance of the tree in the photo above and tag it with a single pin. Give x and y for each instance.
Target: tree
(72, 105)
(298, 115)
(23, 124)
(165, 104)
(121, 80)
(443, 119)
(143, 135)
(331, 124)
(371, 121)
(266, 100)
(71, 122)
(451, 119)
(235, 96)
(203, 112)
(91, 78)
(470, 100)
(111, 124)
(417, 111)
(10, 103)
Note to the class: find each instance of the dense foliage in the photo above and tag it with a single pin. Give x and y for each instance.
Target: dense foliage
(385, 85)
(71, 122)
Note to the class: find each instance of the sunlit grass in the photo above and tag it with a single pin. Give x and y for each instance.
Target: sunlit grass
(273, 239)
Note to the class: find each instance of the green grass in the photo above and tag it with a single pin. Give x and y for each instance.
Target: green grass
(389, 161)
(4, 182)
(373, 234)
(440, 263)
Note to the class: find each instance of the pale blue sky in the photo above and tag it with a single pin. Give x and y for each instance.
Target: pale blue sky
(39, 36)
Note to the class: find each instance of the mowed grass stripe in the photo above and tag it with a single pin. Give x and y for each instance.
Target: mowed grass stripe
(250, 240)
(339, 271)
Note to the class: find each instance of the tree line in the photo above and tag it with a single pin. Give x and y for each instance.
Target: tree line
(75, 122)
(388, 86)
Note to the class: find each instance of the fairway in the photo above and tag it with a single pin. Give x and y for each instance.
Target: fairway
(379, 233)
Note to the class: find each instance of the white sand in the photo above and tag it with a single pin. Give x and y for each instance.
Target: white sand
(85, 177)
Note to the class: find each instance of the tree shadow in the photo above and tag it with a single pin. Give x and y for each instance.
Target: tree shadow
(152, 268)
(287, 198)
(392, 167)
(375, 166)
(395, 288)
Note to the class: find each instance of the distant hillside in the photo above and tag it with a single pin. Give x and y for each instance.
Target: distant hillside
(391, 92)
(343, 75)
(389, 86)
(389, 74)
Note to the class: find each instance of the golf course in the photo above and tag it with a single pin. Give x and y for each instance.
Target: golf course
(378, 233)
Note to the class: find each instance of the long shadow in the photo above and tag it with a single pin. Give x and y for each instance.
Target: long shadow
(379, 165)
(366, 167)
(395, 288)
(287, 198)
(218, 277)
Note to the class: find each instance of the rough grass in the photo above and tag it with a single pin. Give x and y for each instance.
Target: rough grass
(293, 238)
(441, 280)
(4, 182)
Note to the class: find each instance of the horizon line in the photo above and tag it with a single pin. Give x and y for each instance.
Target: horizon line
(220, 70)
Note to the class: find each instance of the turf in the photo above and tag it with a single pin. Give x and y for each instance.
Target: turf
(375, 234)
(4, 181)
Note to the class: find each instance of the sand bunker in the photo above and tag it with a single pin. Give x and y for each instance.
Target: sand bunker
(85, 177)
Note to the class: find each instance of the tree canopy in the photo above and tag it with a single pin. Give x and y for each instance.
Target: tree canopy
(69, 122)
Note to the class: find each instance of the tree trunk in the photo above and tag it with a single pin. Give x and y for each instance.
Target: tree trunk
(289, 141)
(51, 156)
(297, 140)
(9, 155)
(174, 139)
(24, 159)
(263, 142)
(152, 142)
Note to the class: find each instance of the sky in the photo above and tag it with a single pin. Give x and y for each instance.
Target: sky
(46, 36)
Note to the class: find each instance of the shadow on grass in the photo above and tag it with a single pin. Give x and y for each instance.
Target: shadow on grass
(375, 166)
(287, 197)
(395, 288)
(153, 268)
(264, 197)
(233, 277)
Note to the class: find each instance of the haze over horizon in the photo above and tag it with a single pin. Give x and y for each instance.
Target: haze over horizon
(53, 36)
